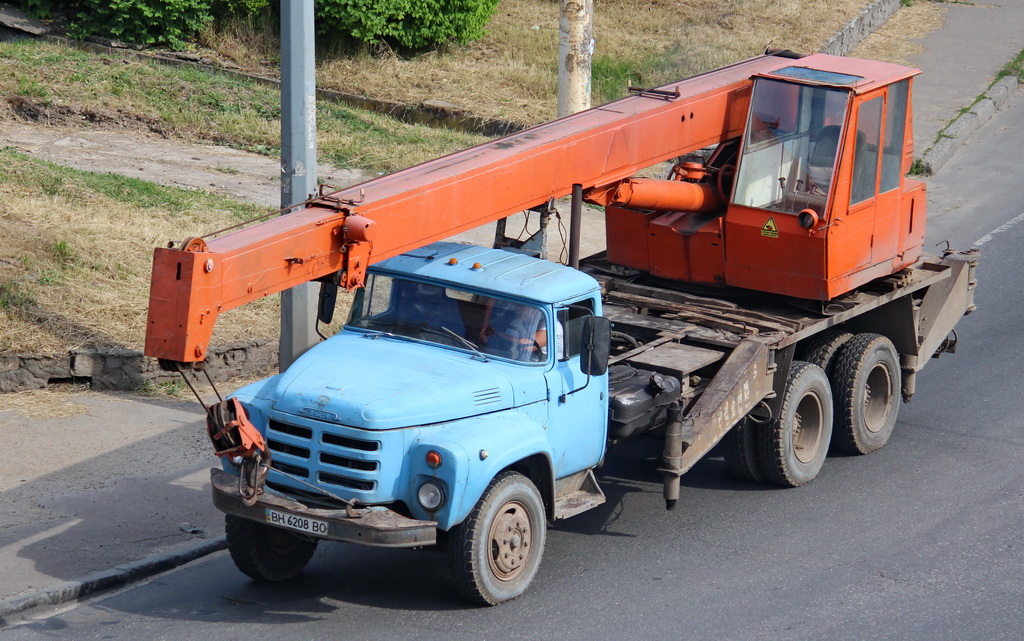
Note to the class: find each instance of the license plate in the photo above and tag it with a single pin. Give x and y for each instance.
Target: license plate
(293, 522)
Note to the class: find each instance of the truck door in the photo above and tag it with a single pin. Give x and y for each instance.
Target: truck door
(849, 248)
(887, 215)
(577, 404)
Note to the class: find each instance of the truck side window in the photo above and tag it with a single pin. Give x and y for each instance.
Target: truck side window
(514, 330)
(895, 126)
(865, 158)
(571, 321)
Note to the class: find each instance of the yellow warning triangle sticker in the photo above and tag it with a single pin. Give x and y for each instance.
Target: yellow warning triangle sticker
(769, 229)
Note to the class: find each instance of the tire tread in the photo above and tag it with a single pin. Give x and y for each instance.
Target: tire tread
(821, 349)
(772, 444)
(848, 362)
(739, 448)
(463, 560)
(246, 548)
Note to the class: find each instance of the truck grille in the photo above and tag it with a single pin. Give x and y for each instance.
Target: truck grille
(322, 454)
(351, 443)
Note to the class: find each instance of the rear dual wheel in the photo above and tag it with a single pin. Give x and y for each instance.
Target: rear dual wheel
(866, 386)
(860, 395)
(793, 445)
(739, 449)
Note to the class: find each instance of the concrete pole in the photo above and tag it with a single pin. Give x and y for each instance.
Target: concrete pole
(575, 51)
(298, 162)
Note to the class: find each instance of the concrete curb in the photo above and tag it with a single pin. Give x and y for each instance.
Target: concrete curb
(118, 576)
(961, 128)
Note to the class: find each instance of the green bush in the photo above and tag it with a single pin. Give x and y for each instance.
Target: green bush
(406, 24)
(42, 9)
(241, 8)
(410, 24)
(168, 23)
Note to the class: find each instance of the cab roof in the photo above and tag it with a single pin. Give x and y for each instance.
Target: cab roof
(491, 269)
(857, 74)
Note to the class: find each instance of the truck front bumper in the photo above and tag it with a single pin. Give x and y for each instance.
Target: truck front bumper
(378, 525)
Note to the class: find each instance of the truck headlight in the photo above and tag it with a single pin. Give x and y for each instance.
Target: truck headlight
(431, 496)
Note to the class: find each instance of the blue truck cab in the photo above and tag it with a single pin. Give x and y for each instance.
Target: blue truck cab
(453, 404)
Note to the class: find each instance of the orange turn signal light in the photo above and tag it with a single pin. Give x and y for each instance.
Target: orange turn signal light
(434, 459)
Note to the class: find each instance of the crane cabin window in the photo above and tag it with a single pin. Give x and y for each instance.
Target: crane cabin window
(895, 129)
(865, 158)
(790, 146)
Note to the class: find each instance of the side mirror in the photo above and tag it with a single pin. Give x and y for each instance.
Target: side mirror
(328, 300)
(597, 341)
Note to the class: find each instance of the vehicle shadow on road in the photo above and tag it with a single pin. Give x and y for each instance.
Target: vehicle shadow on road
(631, 470)
(72, 514)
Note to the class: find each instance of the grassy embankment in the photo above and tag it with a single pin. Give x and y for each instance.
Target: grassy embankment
(511, 73)
(54, 85)
(76, 250)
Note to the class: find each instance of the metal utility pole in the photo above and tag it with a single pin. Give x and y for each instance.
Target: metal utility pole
(575, 51)
(298, 162)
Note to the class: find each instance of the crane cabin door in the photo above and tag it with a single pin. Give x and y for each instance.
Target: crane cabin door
(852, 221)
(866, 240)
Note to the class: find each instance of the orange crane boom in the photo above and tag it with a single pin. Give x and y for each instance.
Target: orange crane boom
(346, 231)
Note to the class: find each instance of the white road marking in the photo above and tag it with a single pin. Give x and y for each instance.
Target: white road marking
(998, 230)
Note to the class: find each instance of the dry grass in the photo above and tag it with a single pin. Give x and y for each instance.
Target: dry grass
(511, 73)
(900, 38)
(76, 252)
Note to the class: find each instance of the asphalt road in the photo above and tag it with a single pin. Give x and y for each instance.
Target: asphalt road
(921, 540)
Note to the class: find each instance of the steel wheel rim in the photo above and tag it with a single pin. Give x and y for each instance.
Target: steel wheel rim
(877, 398)
(807, 428)
(509, 541)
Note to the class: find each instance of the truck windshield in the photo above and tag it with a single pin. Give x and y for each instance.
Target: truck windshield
(790, 146)
(452, 317)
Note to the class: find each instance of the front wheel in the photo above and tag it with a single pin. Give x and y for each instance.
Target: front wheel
(495, 553)
(266, 553)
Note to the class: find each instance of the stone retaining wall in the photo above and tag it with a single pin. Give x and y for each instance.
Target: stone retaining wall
(122, 369)
(867, 22)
